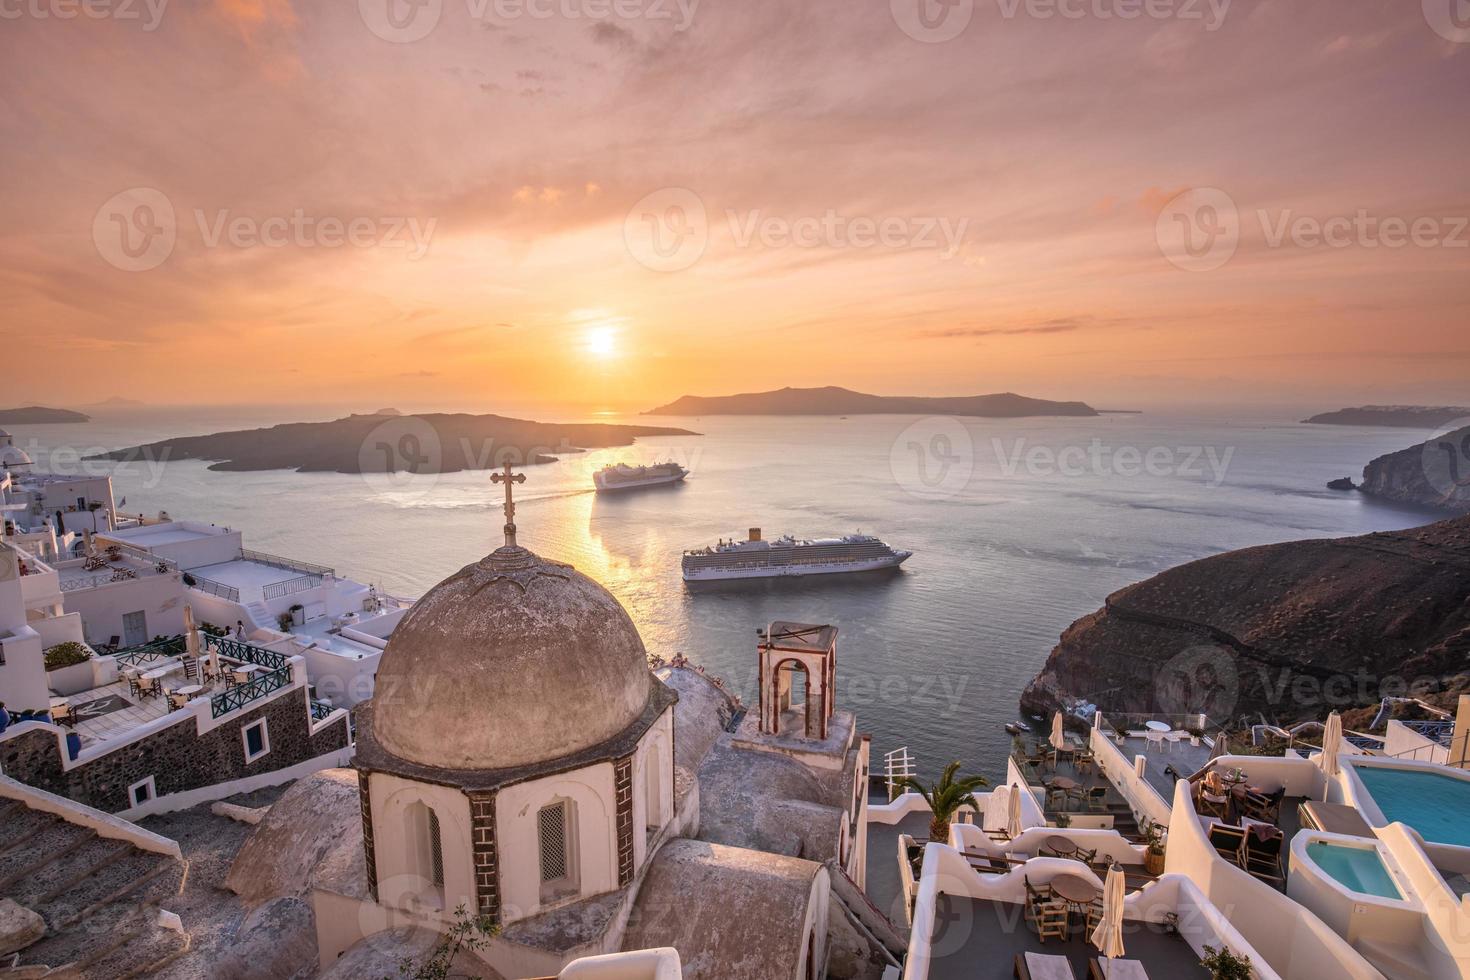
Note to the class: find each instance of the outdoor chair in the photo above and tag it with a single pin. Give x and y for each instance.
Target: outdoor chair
(1094, 914)
(147, 687)
(1085, 761)
(1051, 920)
(133, 687)
(1228, 841)
(62, 714)
(112, 643)
(1264, 807)
(1097, 799)
(1115, 970)
(1262, 858)
(1035, 899)
(1086, 857)
(191, 669)
(1042, 966)
(177, 700)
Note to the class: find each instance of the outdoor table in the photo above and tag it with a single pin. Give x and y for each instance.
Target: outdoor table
(1061, 845)
(1063, 783)
(1074, 890)
(189, 690)
(1158, 726)
(157, 673)
(244, 672)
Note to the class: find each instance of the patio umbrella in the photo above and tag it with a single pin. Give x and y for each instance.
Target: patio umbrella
(191, 632)
(1331, 739)
(1108, 936)
(1058, 737)
(1013, 813)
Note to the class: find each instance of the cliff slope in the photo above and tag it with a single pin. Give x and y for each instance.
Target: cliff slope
(1288, 631)
(1435, 473)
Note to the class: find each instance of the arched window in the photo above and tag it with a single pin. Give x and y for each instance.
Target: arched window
(556, 839)
(426, 852)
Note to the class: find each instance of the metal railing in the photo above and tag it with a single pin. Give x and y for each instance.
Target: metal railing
(212, 587)
(291, 586)
(239, 695)
(107, 545)
(146, 653)
(320, 710)
(1442, 732)
(289, 564)
(246, 652)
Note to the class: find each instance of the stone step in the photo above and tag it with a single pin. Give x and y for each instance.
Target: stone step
(21, 827)
(52, 843)
(108, 927)
(148, 950)
(135, 877)
(68, 871)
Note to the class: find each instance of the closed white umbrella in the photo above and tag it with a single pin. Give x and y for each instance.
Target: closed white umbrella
(1108, 936)
(1222, 746)
(1058, 737)
(1331, 739)
(1013, 813)
(191, 632)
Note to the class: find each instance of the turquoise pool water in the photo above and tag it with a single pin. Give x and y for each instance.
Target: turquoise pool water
(1357, 868)
(1435, 805)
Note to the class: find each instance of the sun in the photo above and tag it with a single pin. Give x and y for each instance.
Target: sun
(601, 342)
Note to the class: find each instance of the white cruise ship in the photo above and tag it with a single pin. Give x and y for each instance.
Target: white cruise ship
(788, 556)
(621, 476)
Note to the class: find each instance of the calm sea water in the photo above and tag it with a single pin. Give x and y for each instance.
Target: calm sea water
(1019, 527)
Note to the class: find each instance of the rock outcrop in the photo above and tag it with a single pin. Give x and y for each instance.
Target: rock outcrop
(313, 828)
(1435, 473)
(1397, 416)
(1285, 632)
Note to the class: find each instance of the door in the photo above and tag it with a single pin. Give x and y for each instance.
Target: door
(135, 629)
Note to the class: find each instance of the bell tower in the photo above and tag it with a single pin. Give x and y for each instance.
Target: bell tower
(793, 654)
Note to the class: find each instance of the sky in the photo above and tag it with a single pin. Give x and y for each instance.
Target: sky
(577, 206)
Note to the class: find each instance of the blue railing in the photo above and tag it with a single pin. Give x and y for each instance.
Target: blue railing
(246, 653)
(239, 695)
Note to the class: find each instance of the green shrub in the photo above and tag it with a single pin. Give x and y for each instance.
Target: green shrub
(66, 655)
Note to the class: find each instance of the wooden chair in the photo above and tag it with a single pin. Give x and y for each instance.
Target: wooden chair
(1051, 921)
(1262, 858)
(1097, 799)
(1264, 807)
(1035, 899)
(1086, 857)
(62, 714)
(1228, 841)
(1085, 761)
(147, 687)
(133, 687)
(177, 700)
(191, 669)
(1094, 915)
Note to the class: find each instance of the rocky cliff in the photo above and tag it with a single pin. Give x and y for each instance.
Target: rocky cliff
(1435, 473)
(1285, 632)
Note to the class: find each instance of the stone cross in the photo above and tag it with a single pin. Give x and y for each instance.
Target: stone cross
(509, 478)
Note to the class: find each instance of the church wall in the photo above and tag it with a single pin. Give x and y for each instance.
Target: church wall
(400, 883)
(657, 743)
(593, 792)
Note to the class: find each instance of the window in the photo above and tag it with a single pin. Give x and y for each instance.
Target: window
(141, 792)
(551, 829)
(436, 851)
(257, 740)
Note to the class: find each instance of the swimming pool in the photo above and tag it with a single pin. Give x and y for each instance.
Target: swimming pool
(1436, 805)
(1359, 869)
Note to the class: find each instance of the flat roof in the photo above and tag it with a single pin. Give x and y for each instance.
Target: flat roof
(153, 535)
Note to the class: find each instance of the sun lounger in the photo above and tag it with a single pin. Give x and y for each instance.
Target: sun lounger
(1043, 966)
(1100, 969)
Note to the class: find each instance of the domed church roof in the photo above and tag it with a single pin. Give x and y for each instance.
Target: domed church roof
(511, 661)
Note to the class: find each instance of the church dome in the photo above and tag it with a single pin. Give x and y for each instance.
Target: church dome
(12, 457)
(511, 661)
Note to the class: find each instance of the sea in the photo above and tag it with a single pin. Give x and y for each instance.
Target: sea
(1018, 528)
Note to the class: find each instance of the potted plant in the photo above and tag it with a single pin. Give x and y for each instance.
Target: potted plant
(1153, 837)
(284, 622)
(298, 614)
(1225, 965)
(1063, 820)
(68, 668)
(947, 797)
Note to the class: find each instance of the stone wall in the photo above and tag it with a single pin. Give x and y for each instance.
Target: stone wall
(178, 757)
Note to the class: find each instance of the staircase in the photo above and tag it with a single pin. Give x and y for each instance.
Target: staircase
(99, 896)
(260, 616)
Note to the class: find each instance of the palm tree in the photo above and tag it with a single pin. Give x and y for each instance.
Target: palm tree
(946, 797)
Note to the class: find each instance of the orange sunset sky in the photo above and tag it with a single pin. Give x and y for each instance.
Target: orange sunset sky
(537, 155)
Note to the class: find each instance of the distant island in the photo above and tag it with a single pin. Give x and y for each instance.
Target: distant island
(118, 401)
(35, 415)
(841, 401)
(390, 444)
(1261, 633)
(1396, 416)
